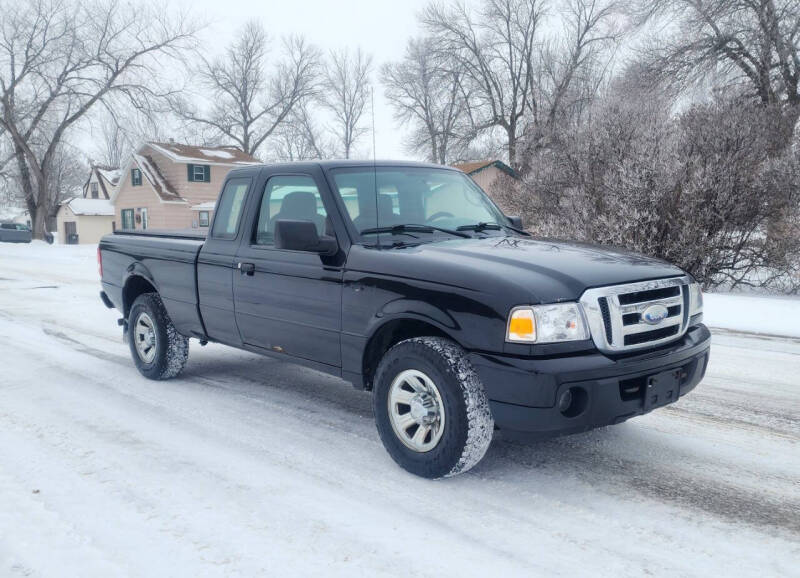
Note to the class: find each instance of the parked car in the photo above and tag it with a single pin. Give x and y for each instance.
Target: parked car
(15, 233)
(406, 280)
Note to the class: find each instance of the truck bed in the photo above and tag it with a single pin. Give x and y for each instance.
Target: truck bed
(165, 233)
(167, 260)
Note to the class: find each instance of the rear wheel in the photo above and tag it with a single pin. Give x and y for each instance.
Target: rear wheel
(158, 350)
(430, 408)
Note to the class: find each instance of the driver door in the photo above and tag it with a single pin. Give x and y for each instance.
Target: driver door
(289, 301)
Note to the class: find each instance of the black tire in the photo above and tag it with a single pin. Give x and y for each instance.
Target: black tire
(468, 423)
(171, 349)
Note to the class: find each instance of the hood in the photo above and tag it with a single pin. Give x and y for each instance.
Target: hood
(542, 271)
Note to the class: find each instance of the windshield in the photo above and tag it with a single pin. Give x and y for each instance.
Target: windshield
(391, 196)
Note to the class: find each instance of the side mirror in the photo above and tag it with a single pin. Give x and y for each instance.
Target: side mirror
(303, 236)
(516, 222)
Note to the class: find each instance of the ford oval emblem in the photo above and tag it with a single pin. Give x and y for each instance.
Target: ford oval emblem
(655, 314)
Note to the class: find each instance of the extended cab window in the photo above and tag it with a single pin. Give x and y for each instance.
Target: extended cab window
(291, 197)
(229, 211)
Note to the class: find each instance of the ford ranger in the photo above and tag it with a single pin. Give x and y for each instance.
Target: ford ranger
(406, 280)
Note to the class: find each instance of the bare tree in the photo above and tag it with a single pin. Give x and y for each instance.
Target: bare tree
(427, 92)
(521, 79)
(247, 102)
(576, 63)
(347, 94)
(58, 60)
(755, 43)
(67, 176)
(300, 138)
(496, 50)
(112, 139)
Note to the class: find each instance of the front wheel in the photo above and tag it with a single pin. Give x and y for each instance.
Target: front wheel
(158, 350)
(430, 408)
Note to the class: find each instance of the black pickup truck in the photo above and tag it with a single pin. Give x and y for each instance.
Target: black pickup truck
(408, 281)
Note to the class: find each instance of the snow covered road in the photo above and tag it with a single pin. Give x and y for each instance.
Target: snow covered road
(248, 466)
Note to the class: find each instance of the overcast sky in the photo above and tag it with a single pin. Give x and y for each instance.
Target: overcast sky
(380, 27)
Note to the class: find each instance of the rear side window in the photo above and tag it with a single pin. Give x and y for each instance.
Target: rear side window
(229, 210)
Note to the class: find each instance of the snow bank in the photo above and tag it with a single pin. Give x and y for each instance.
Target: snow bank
(752, 313)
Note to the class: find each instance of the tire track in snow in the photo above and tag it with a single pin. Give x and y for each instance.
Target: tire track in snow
(726, 501)
(176, 417)
(726, 420)
(721, 499)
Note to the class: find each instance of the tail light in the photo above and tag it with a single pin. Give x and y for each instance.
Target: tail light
(99, 262)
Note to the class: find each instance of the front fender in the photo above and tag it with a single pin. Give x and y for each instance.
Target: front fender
(415, 309)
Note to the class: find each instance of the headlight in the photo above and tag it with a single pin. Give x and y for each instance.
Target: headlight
(695, 300)
(547, 324)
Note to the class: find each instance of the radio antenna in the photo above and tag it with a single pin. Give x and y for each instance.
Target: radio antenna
(372, 107)
(374, 162)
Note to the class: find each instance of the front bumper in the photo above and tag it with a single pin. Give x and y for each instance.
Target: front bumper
(523, 392)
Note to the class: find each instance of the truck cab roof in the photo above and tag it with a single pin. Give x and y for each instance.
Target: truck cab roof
(336, 164)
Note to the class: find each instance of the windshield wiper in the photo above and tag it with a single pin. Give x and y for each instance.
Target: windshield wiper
(482, 226)
(406, 229)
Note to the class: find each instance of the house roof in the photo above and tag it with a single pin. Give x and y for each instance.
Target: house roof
(109, 174)
(182, 153)
(208, 206)
(153, 175)
(474, 167)
(81, 206)
(105, 175)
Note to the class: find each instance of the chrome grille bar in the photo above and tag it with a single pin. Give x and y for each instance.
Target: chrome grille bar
(604, 313)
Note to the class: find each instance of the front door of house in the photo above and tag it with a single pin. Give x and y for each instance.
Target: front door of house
(70, 233)
(127, 219)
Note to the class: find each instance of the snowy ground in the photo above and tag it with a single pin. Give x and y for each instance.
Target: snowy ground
(248, 466)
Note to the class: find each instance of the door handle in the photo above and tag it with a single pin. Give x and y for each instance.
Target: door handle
(248, 269)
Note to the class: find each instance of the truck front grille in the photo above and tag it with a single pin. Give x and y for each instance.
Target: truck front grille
(615, 313)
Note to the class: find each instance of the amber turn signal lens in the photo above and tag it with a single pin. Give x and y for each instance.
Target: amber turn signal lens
(521, 326)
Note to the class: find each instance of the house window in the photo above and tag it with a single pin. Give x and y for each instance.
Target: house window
(136, 177)
(203, 218)
(95, 193)
(145, 219)
(127, 219)
(199, 173)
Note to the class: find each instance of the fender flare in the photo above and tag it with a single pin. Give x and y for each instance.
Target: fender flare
(134, 270)
(412, 310)
(403, 310)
